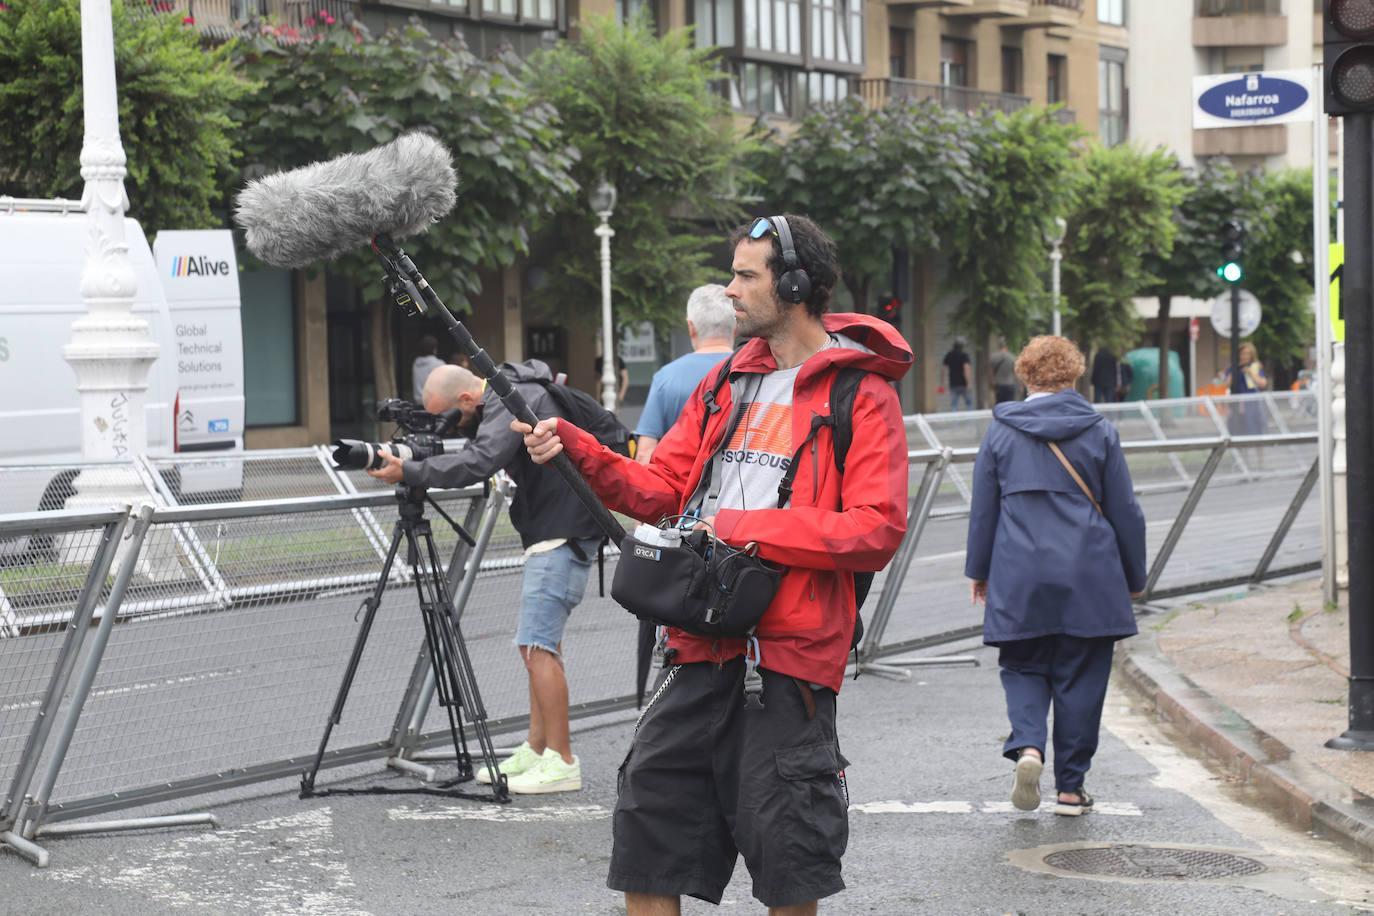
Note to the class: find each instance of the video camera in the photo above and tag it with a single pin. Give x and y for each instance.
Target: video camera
(419, 435)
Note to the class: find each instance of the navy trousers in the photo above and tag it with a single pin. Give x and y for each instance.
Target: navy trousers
(1069, 673)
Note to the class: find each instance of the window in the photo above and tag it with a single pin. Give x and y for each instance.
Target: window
(955, 58)
(1111, 94)
(837, 29)
(625, 10)
(1240, 60)
(1057, 81)
(269, 348)
(1112, 12)
(773, 25)
(824, 89)
(715, 23)
(538, 10)
(505, 8)
(898, 40)
(760, 88)
(1012, 68)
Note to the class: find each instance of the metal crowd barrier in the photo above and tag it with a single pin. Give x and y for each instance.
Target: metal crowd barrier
(196, 648)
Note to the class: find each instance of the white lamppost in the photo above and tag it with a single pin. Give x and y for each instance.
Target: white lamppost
(603, 205)
(1061, 229)
(110, 349)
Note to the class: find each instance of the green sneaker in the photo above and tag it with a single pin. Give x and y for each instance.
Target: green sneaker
(517, 763)
(550, 774)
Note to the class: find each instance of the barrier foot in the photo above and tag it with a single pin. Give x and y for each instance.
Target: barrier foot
(29, 850)
(424, 773)
(439, 753)
(132, 823)
(881, 670)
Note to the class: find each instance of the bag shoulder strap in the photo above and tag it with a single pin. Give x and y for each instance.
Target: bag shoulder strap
(844, 384)
(708, 397)
(1068, 466)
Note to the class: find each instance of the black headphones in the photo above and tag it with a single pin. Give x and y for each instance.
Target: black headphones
(794, 285)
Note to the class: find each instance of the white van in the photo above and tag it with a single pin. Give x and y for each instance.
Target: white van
(42, 253)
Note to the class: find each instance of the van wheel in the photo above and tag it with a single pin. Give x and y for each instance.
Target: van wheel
(54, 499)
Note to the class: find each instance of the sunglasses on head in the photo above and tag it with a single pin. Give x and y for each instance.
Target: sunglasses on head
(762, 226)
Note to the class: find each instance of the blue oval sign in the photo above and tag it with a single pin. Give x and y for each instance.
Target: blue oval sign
(1253, 97)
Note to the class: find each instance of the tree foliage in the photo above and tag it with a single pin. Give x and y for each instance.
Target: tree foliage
(1278, 262)
(877, 179)
(1213, 193)
(644, 114)
(174, 111)
(1122, 217)
(341, 90)
(997, 250)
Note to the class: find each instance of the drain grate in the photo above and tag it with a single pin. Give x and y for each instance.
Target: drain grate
(1158, 862)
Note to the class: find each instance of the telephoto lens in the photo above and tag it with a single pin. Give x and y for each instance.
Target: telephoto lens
(357, 455)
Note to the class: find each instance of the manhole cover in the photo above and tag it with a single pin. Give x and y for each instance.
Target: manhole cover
(1158, 862)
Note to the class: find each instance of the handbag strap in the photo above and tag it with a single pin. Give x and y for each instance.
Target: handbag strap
(1074, 474)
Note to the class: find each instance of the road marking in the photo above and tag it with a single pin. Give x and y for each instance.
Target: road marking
(1111, 809)
(304, 871)
(513, 813)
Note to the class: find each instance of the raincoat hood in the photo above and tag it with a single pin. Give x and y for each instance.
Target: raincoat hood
(1060, 416)
(864, 341)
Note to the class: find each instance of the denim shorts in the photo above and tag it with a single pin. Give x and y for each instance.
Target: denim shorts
(552, 586)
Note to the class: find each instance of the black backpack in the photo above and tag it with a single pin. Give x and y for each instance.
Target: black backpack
(843, 388)
(586, 412)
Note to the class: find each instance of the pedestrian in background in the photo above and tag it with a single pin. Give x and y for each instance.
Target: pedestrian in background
(1056, 551)
(956, 365)
(424, 364)
(1002, 368)
(711, 326)
(1106, 377)
(1248, 417)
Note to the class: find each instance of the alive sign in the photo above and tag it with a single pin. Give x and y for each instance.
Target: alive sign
(1240, 99)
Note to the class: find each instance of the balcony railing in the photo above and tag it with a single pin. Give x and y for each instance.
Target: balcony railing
(1208, 8)
(1075, 5)
(878, 92)
(221, 17)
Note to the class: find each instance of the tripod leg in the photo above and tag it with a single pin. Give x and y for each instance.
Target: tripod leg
(372, 603)
(438, 654)
(459, 668)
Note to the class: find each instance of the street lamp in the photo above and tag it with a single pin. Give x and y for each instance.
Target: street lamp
(1061, 229)
(602, 200)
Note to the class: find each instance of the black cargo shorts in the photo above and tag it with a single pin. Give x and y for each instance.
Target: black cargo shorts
(708, 779)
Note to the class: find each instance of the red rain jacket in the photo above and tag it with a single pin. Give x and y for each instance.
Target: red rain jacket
(807, 630)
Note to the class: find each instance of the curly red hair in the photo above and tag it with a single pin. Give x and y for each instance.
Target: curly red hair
(1050, 364)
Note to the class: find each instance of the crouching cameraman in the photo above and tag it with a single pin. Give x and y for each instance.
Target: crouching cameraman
(559, 537)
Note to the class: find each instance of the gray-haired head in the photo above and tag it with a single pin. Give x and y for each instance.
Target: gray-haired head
(711, 313)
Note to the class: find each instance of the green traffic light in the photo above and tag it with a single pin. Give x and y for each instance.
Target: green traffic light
(1231, 272)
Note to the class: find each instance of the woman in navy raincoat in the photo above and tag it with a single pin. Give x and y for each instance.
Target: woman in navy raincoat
(1055, 565)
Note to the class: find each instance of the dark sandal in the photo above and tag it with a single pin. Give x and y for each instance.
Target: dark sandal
(1072, 809)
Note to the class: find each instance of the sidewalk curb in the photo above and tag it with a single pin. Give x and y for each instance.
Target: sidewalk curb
(1305, 796)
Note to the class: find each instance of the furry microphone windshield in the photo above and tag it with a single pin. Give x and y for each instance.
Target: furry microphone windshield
(320, 211)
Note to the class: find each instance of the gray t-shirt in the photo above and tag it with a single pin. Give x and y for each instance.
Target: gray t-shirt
(1003, 368)
(757, 456)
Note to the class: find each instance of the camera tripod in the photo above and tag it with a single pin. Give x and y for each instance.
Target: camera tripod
(454, 679)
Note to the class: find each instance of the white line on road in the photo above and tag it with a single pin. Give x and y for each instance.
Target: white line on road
(1111, 809)
(513, 813)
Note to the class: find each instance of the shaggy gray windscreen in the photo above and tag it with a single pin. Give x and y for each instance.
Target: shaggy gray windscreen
(320, 211)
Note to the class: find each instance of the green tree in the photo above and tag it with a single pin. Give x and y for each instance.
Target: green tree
(1214, 193)
(643, 113)
(339, 90)
(997, 250)
(877, 179)
(1278, 265)
(1122, 217)
(174, 111)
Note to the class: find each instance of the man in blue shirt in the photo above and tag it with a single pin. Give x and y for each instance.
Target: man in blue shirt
(711, 325)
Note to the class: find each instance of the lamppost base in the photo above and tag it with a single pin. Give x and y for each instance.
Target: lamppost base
(1353, 740)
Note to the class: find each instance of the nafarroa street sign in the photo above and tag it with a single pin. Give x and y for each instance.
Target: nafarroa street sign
(1249, 99)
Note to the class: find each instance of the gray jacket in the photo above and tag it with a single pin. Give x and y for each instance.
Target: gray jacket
(544, 507)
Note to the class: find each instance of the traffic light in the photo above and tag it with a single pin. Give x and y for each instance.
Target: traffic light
(1232, 250)
(890, 309)
(1348, 56)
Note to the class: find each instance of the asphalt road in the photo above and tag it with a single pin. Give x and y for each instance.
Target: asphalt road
(931, 833)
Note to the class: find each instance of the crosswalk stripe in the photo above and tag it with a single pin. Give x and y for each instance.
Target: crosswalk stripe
(1111, 809)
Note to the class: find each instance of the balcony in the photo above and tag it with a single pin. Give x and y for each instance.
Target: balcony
(988, 9)
(941, 5)
(225, 18)
(1239, 23)
(1260, 140)
(1049, 14)
(878, 92)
